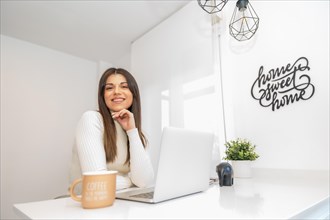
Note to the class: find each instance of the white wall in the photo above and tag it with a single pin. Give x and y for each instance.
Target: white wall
(179, 51)
(295, 136)
(43, 94)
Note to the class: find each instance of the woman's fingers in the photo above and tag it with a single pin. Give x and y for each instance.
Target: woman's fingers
(125, 118)
(122, 114)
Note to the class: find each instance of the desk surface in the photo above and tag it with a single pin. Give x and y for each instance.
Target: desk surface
(270, 194)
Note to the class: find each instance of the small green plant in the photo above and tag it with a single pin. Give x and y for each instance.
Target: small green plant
(240, 149)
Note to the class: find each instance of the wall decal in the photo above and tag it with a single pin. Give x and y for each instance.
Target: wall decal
(284, 85)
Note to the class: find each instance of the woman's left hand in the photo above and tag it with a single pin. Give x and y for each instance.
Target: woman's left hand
(125, 118)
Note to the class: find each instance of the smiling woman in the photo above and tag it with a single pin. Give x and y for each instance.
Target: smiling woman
(111, 138)
(117, 94)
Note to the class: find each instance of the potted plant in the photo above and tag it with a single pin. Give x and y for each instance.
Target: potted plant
(241, 153)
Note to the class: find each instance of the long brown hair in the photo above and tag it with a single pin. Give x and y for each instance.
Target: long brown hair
(110, 134)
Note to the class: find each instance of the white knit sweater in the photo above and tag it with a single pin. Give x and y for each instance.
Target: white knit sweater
(89, 153)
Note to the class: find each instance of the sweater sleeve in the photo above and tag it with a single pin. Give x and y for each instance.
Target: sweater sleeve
(123, 182)
(142, 174)
(89, 139)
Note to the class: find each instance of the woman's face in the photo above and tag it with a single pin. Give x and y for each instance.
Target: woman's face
(117, 95)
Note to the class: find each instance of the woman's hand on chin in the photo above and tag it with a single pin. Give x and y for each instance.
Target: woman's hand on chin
(125, 118)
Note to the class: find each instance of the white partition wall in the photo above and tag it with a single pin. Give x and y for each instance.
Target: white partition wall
(174, 66)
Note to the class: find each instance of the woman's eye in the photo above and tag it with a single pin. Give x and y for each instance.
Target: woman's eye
(124, 86)
(108, 87)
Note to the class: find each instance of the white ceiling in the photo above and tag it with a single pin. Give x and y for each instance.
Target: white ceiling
(94, 30)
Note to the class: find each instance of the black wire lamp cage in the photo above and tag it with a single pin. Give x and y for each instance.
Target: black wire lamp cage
(212, 6)
(244, 22)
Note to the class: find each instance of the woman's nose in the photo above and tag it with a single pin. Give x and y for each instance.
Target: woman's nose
(117, 89)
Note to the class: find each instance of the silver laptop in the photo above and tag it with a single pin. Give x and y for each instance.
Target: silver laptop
(183, 168)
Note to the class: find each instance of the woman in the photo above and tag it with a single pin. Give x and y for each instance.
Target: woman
(111, 138)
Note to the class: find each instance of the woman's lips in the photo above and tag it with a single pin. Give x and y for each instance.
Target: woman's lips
(118, 100)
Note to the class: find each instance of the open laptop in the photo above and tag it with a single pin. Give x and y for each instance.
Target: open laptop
(183, 167)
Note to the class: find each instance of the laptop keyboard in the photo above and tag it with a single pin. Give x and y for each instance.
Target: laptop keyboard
(148, 195)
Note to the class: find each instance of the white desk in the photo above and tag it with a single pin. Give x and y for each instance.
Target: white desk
(270, 194)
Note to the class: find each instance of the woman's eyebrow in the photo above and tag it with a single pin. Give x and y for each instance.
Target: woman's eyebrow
(119, 83)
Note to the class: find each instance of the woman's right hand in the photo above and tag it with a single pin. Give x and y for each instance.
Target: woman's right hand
(125, 118)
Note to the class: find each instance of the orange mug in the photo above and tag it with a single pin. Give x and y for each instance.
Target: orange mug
(98, 189)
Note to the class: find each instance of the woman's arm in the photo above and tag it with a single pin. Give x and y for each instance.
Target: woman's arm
(142, 174)
(89, 139)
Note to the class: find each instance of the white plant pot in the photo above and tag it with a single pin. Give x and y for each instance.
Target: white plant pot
(242, 168)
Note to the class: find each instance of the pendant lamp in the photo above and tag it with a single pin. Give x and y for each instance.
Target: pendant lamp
(244, 22)
(212, 6)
